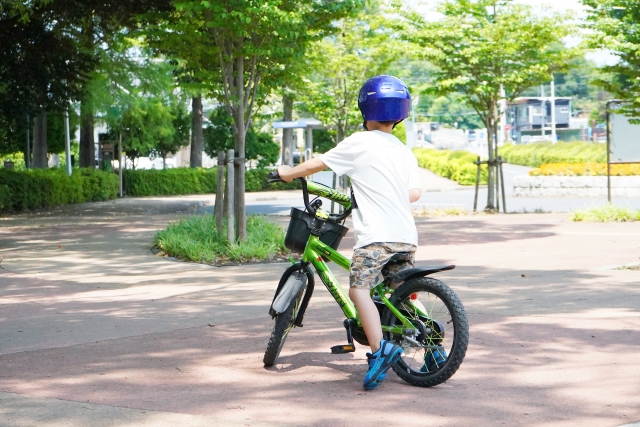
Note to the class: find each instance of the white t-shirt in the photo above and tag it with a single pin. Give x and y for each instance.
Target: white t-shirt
(382, 171)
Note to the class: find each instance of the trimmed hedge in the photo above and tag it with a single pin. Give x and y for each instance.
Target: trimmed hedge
(41, 188)
(180, 181)
(169, 182)
(538, 153)
(456, 165)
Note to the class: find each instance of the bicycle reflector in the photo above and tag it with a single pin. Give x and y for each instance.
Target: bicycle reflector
(414, 296)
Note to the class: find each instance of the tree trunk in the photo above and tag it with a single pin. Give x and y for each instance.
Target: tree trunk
(491, 195)
(27, 144)
(287, 134)
(40, 141)
(87, 141)
(196, 132)
(239, 164)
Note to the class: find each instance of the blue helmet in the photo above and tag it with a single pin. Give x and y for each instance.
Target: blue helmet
(384, 99)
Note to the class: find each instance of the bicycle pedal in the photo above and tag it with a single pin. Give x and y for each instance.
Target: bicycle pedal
(342, 349)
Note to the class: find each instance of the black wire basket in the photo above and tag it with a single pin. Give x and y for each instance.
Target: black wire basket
(300, 228)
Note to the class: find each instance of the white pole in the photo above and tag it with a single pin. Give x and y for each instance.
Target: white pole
(120, 164)
(67, 142)
(503, 118)
(553, 110)
(544, 108)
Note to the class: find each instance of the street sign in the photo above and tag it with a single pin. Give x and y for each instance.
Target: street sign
(625, 138)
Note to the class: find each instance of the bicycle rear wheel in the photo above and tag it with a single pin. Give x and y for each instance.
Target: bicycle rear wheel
(284, 324)
(443, 331)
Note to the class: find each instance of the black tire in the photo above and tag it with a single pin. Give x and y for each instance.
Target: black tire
(284, 324)
(450, 330)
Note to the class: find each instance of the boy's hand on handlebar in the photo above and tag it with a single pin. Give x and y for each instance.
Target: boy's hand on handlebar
(283, 172)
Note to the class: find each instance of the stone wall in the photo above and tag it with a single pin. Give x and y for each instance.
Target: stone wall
(575, 186)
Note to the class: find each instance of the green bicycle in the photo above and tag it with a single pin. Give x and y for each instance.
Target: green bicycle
(423, 315)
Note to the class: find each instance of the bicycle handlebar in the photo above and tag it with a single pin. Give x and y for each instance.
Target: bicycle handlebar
(275, 177)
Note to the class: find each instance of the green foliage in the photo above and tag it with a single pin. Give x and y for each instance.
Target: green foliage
(606, 213)
(41, 188)
(16, 158)
(323, 141)
(219, 137)
(146, 123)
(400, 132)
(614, 26)
(256, 180)
(538, 153)
(169, 182)
(181, 124)
(483, 46)
(455, 165)
(195, 239)
(340, 64)
(178, 181)
(449, 110)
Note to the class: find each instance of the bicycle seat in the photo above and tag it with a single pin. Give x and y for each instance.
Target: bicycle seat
(399, 258)
(412, 273)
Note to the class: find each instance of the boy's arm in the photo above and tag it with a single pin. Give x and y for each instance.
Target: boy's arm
(288, 174)
(414, 194)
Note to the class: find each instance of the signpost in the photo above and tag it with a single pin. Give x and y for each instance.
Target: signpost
(623, 140)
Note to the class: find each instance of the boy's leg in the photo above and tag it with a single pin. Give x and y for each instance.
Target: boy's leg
(369, 316)
(366, 269)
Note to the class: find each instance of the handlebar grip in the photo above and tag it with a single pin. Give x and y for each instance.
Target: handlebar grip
(273, 177)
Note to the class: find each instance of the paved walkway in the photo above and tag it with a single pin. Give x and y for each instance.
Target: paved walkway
(98, 331)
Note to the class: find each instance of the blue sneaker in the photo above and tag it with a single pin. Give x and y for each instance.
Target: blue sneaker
(434, 359)
(380, 362)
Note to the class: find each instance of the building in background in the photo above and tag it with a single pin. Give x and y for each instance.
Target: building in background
(529, 119)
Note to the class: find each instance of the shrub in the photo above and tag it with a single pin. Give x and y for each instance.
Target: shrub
(538, 153)
(169, 182)
(456, 165)
(41, 188)
(178, 181)
(585, 169)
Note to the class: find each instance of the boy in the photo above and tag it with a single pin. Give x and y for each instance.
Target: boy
(385, 180)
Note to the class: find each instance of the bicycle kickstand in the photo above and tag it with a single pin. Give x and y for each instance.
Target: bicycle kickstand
(349, 324)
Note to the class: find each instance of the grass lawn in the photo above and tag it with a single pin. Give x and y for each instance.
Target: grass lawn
(195, 239)
(606, 213)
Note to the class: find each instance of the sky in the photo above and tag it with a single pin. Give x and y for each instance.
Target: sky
(599, 57)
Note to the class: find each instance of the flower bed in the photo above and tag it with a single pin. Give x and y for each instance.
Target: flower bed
(585, 169)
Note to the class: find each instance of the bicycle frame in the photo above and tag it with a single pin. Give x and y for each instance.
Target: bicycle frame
(314, 252)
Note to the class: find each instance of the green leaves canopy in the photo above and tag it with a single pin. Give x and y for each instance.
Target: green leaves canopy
(616, 25)
(219, 137)
(482, 46)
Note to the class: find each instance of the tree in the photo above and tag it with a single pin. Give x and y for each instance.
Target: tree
(483, 47)
(181, 123)
(246, 44)
(219, 137)
(341, 64)
(41, 69)
(615, 25)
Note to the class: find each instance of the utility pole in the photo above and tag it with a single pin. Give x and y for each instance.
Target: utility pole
(543, 102)
(553, 110)
(67, 142)
(502, 137)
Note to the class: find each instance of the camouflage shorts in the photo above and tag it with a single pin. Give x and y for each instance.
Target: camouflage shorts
(369, 264)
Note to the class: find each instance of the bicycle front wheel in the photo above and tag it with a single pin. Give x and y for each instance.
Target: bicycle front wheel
(284, 324)
(439, 348)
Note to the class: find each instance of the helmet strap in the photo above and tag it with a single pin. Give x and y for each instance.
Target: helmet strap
(364, 124)
(396, 124)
